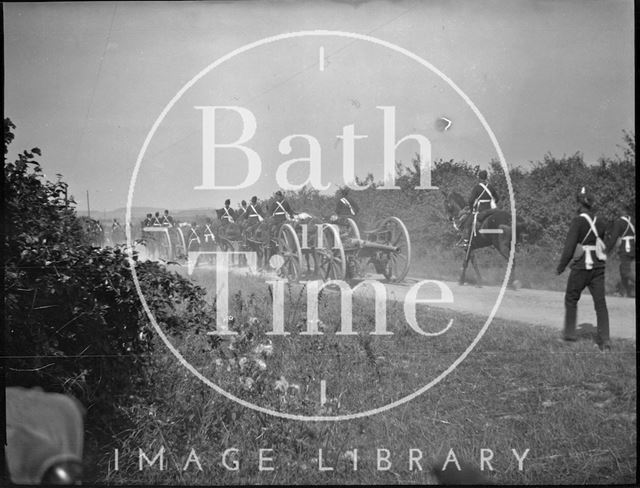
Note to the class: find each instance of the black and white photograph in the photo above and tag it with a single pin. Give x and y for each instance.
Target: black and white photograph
(278, 242)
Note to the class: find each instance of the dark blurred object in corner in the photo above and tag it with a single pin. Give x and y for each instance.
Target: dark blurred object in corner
(45, 436)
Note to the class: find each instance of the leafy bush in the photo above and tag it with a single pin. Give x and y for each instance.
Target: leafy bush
(73, 319)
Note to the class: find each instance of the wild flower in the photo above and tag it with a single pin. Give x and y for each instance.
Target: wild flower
(242, 362)
(248, 383)
(266, 349)
(261, 364)
(282, 385)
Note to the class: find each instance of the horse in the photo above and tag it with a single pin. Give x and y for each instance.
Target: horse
(496, 225)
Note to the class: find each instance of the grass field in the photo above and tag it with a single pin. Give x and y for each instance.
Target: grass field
(573, 407)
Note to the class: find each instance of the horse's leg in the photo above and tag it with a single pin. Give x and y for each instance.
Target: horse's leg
(503, 245)
(476, 269)
(465, 263)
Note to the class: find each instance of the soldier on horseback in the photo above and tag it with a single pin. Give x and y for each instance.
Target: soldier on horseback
(281, 211)
(155, 221)
(167, 220)
(345, 206)
(148, 220)
(254, 213)
(482, 200)
(226, 214)
(242, 211)
(115, 225)
(623, 236)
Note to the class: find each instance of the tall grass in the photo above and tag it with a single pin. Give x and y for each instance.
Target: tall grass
(571, 406)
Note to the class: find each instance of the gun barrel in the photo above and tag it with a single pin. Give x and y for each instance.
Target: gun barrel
(377, 246)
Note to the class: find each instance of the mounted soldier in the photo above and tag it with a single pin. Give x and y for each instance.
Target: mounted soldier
(623, 236)
(254, 214)
(582, 253)
(226, 214)
(482, 200)
(345, 206)
(207, 232)
(148, 220)
(115, 225)
(155, 221)
(241, 214)
(167, 220)
(280, 210)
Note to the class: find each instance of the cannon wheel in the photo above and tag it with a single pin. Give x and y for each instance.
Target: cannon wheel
(331, 258)
(397, 265)
(354, 232)
(159, 243)
(180, 248)
(289, 248)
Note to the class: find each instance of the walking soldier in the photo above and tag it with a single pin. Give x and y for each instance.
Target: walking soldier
(584, 255)
(623, 236)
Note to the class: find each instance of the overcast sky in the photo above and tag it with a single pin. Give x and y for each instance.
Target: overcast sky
(86, 81)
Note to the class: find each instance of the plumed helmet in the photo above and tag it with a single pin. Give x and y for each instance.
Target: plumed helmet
(585, 197)
(227, 202)
(254, 199)
(482, 174)
(279, 194)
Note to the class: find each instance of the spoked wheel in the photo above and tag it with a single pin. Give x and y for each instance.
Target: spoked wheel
(395, 263)
(331, 258)
(289, 249)
(180, 247)
(354, 232)
(164, 247)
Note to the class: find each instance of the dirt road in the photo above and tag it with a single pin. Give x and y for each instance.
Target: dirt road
(538, 307)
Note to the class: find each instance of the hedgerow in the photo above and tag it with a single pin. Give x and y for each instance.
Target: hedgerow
(73, 320)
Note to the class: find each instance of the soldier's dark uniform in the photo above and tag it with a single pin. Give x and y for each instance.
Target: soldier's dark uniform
(280, 210)
(241, 213)
(624, 228)
(253, 216)
(155, 221)
(586, 272)
(481, 199)
(254, 213)
(227, 214)
(167, 220)
(345, 207)
(147, 221)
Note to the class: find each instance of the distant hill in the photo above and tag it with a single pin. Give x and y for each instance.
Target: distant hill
(139, 213)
